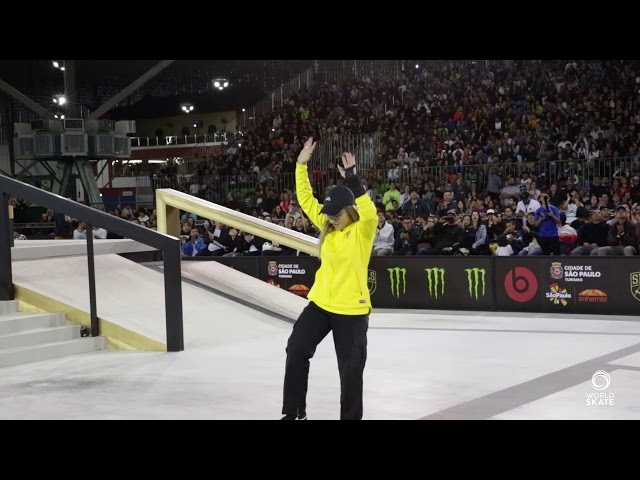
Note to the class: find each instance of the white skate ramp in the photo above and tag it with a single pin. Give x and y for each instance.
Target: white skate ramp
(244, 288)
(130, 302)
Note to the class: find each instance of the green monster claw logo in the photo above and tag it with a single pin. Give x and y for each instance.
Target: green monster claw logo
(474, 277)
(396, 275)
(435, 276)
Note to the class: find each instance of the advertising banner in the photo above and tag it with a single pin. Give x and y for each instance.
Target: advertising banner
(591, 285)
(461, 283)
(246, 265)
(294, 274)
(594, 285)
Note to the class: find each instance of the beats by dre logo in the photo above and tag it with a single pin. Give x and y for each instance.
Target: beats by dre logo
(521, 284)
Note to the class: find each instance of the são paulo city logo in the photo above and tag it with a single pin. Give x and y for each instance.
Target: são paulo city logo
(573, 273)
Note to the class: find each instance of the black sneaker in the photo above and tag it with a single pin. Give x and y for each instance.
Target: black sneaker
(302, 416)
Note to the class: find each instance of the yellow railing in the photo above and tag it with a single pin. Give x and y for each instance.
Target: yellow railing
(169, 203)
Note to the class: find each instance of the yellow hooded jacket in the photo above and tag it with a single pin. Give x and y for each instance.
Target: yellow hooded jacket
(340, 285)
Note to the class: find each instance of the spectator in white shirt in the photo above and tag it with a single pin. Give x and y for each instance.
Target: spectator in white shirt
(504, 249)
(80, 232)
(385, 237)
(526, 205)
(99, 233)
(194, 188)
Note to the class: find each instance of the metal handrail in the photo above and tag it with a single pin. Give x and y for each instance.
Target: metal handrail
(168, 245)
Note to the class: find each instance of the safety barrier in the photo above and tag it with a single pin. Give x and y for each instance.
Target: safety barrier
(578, 285)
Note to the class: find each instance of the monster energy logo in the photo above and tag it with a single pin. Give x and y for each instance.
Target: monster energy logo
(474, 277)
(397, 275)
(435, 277)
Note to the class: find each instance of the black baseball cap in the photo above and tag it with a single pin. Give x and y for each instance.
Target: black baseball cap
(337, 198)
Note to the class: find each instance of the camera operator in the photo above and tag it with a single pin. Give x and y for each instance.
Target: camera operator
(448, 234)
(406, 238)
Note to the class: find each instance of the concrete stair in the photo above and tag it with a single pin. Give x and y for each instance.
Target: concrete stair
(35, 337)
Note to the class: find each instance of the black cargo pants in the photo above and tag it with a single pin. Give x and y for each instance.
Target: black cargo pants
(350, 339)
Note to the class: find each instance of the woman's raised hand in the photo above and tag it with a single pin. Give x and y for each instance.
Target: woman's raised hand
(348, 162)
(307, 151)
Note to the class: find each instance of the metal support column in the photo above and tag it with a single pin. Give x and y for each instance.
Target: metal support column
(6, 239)
(10, 136)
(61, 180)
(93, 308)
(89, 183)
(173, 299)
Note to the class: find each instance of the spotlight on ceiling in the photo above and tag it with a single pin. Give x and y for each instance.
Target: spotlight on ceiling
(186, 107)
(220, 83)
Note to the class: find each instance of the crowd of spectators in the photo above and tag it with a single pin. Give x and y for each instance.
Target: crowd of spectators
(465, 156)
(470, 160)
